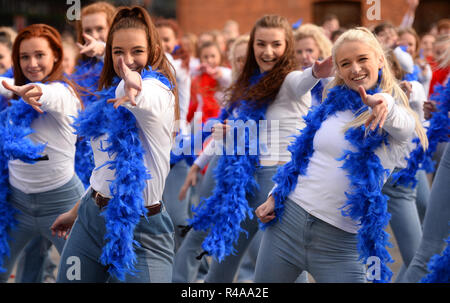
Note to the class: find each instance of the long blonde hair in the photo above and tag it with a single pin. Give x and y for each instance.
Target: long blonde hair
(243, 39)
(316, 33)
(388, 83)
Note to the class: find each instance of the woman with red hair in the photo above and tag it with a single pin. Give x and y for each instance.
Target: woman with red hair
(37, 178)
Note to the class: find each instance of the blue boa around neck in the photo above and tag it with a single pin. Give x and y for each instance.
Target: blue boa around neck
(365, 201)
(15, 126)
(437, 132)
(86, 75)
(223, 212)
(126, 206)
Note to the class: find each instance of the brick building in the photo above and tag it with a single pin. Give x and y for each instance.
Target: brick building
(199, 15)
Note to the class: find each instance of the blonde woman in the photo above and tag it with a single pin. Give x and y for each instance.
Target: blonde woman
(311, 45)
(331, 188)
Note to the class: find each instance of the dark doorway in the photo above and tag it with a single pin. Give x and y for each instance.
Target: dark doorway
(348, 12)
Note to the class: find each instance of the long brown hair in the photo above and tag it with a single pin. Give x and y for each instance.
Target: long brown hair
(98, 7)
(181, 53)
(54, 40)
(138, 17)
(268, 87)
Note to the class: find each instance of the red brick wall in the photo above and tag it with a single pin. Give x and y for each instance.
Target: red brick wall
(199, 15)
(202, 15)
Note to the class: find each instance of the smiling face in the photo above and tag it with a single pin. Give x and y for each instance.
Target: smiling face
(132, 45)
(95, 25)
(357, 64)
(210, 55)
(268, 47)
(36, 58)
(306, 52)
(168, 39)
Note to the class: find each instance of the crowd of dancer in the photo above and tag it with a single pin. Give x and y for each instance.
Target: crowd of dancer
(143, 153)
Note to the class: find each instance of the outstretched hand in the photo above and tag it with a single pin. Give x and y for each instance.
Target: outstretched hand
(323, 69)
(133, 85)
(92, 47)
(379, 108)
(30, 93)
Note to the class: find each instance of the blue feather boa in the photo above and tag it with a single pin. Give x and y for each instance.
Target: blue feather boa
(15, 126)
(438, 131)
(126, 206)
(316, 92)
(86, 75)
(439, 267)
(223, 212)
(414, 76)
(365, 201)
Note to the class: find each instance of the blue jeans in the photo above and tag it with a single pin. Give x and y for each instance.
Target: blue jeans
(86, 240)
(423, 193)
(405, 222)
(186, 266)
(225, 271)
(35, 264)
(301, 242)
(37, 212)
(436, 222)
(178, 210)
(247, 268)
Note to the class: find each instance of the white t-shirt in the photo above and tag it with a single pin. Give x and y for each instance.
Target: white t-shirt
(154, 112)
(321, 192)
(284, 115)
(284, 120)
(53, 128)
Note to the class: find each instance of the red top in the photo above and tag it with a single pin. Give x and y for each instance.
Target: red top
(205, 86)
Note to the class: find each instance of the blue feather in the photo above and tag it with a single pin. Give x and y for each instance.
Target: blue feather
(438, 131)
(126, 206)
(439, 267)
(365, 172)
(223, 212)
(15, 126)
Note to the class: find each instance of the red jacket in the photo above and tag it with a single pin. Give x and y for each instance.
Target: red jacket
(205, 86)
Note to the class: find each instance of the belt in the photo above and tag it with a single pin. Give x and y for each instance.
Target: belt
(101, 202)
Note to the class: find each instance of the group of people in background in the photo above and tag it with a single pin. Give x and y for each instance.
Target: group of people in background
(122, 148)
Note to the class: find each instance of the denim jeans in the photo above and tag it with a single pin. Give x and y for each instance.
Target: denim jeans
(35, 264)
(436, 222)
(177, 210)
(405, 222)
(301, 242)
(186, 265)
(86, 240)
(225, 271)
(423, 193)
(37, 212)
